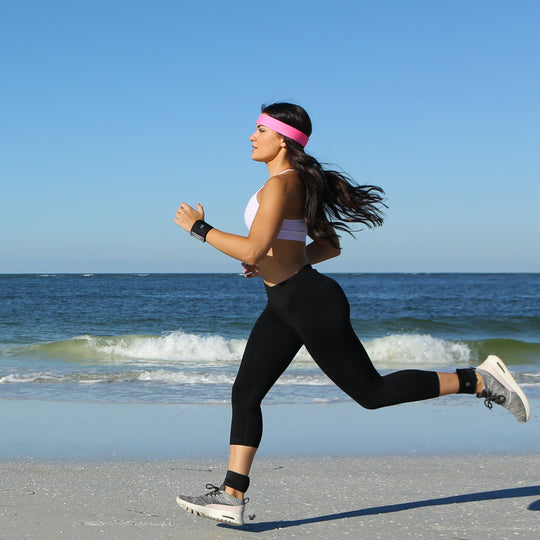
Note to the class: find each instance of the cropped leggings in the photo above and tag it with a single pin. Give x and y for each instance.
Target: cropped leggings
(311, 309)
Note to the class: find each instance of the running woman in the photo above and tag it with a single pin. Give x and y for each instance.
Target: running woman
(300, 199)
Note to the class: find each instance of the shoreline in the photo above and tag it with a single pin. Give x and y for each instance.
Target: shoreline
(97, 432)
(450, 496)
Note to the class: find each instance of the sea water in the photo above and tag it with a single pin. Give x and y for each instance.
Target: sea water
(179, 338)
(132, 366)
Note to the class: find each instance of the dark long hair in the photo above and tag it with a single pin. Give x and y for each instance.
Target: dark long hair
(333, 199)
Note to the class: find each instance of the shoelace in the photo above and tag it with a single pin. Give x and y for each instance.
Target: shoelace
(216, 490)
(490, 397)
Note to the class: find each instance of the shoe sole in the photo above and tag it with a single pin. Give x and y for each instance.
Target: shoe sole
(497, 368)
(221, 513)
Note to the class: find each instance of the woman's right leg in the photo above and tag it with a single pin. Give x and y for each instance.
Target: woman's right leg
(321, 318)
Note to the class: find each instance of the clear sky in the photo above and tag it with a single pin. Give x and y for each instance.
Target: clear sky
(113, 112)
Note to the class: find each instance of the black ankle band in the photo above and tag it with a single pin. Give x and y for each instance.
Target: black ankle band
(237, 481)
(467, 380)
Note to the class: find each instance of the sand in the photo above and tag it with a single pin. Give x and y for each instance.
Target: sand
(435, 496)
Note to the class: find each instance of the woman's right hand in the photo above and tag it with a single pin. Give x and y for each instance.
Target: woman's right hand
(186, 216)
(251, 270)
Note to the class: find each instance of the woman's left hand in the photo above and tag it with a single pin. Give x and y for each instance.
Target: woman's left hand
(186, 216)
(251, 270)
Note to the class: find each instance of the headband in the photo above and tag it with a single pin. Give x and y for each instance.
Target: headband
(283, 129)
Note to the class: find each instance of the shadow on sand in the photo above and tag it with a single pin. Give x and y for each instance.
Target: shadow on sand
(512, 493)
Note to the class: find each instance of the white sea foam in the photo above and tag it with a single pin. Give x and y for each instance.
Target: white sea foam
(148, 350)
(18, 378)
(407, 349)
(173, 347)
(180, 377)
(156, 376)
(180, 348)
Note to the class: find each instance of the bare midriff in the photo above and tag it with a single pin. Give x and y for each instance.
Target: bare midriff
(283, 260)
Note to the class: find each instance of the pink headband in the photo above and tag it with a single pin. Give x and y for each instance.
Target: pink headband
(283, 129)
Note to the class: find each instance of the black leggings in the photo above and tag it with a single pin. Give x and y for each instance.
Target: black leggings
(311, 309)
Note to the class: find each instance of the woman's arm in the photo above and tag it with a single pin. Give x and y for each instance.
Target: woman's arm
(321, 251)
(263, 232)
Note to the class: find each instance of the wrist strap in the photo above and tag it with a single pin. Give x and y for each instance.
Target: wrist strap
(200, 230)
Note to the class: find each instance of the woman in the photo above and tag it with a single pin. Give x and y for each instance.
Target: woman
(306, 308)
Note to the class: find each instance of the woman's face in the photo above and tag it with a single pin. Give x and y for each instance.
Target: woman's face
(266, 144)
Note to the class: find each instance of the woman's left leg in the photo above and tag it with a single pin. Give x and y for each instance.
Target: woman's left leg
(271, 347)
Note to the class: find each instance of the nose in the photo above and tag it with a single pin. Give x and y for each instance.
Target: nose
(252, 138)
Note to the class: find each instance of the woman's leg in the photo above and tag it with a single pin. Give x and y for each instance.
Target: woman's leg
(271, 347)
(322, 320)
(449, 384)
(240, 461)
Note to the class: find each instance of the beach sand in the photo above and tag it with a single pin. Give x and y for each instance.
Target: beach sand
(445, 496)
(450, 469)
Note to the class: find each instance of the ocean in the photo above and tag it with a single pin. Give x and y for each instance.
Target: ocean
(178, 338)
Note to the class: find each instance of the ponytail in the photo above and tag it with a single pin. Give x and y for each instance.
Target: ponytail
(333, 199)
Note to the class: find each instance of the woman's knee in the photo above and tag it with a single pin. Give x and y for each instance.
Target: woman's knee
(370, 402)
(369, 395)
(237, 395)
(243, 398)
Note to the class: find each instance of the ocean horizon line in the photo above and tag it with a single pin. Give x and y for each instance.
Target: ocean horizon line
(144, 274)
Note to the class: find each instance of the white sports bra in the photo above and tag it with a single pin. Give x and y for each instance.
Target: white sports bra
(291, 229)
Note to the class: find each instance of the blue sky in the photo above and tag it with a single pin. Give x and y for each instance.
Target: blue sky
(113, 112)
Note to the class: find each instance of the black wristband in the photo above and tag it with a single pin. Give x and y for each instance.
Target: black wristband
(200, 230)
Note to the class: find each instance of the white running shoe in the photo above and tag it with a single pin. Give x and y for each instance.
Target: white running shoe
(501, 388)
(217, 505)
